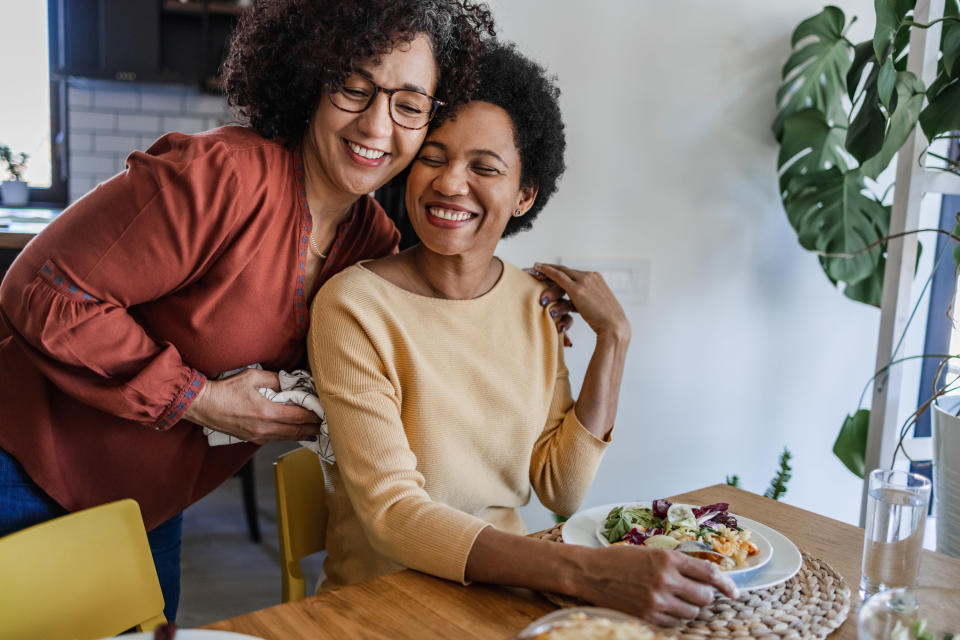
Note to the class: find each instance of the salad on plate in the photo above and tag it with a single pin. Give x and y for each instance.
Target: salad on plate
(664, 525)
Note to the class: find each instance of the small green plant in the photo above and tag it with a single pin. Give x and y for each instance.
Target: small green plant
(16, 162)
(778, 485)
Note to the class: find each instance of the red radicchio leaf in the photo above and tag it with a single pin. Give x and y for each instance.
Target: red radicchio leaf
(635, 537)
(720, 507)
(660, 507)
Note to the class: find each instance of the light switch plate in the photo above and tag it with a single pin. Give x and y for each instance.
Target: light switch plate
(628, 278)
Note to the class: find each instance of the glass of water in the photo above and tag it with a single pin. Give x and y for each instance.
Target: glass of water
(897, 503)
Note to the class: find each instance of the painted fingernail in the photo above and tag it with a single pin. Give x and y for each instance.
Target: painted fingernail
(553, 313)
(544, 301)
(312, 438)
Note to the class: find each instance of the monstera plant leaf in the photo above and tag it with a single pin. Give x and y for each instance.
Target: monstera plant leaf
(906, 104)
(943, 112)
(891, 17)
(831, 214)
(870, 289)
(950, 39)
(813, 145)
(865, 135)
(851, 443)
(815, 75)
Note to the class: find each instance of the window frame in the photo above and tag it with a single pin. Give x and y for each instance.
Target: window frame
(56, 194)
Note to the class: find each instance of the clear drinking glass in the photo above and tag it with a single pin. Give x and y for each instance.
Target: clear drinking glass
(897, 503)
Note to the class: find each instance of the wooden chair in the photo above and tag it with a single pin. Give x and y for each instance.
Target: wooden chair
(84, 575)
(301, 516)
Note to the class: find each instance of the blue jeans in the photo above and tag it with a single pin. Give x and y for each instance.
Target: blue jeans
(24, 504)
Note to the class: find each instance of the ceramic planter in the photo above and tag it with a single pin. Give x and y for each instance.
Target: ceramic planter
(14, 193)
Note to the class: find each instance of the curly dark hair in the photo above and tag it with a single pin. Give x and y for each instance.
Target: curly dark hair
(523, 89)
(285, 53)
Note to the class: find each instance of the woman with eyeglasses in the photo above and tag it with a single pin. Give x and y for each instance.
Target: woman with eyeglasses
(202, 258)
(445, 388)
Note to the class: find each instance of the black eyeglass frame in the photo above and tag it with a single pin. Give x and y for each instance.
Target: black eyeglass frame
(436, 102)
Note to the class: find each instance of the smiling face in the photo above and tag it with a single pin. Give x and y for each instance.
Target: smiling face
(465, 183)
(357, 153)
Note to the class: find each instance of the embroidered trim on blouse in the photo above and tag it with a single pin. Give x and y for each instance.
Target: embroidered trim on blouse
(300, 311)
(64, 285)
(174, 411)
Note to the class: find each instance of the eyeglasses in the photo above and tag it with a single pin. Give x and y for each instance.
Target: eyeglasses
(408, 109)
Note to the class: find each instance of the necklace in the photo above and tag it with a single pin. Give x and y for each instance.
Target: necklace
(316, 249)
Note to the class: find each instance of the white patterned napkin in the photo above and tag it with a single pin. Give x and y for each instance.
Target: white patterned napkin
(296, 388)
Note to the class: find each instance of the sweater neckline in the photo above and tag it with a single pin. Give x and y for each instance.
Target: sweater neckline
(499, 284)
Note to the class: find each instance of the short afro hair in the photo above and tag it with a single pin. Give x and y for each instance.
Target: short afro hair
(285, 53)
(523, 89)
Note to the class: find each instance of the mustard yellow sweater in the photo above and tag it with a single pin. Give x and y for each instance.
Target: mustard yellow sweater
(442, 414)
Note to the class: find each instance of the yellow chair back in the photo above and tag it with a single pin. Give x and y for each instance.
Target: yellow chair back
(84, 575)
(301, 516)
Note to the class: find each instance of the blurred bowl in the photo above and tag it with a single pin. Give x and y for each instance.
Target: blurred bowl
(590, 622)
(897, 614)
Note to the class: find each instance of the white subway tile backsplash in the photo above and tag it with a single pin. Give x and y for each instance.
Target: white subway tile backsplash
(147, 141)
(161, 102)
(127, 98)
(78, 97)
(213, 123)
(201, 103)
(116, 143)
(91, 166)
(80, 142)
(77, 186)
(91, 121)
(138, 123)
(183, 124)
(109, 120)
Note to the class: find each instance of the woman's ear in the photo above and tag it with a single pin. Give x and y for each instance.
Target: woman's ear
(527, 197)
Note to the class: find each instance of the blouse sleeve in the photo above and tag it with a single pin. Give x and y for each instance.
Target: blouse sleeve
(375, 462)
(144, 234)
(566, 455)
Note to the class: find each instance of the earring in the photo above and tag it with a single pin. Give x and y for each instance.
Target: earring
(517, 213)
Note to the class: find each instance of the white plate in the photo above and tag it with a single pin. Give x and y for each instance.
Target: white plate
(193, 634)
(784, 562)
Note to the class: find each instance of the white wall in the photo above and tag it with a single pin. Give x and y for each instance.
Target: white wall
(743, 346)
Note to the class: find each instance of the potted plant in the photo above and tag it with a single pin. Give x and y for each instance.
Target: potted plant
(14, 191)
(844, 111)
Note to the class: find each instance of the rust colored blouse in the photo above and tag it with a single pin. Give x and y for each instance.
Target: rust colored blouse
(188, 264)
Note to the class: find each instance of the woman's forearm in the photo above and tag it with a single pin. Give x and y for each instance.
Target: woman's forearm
(596, 406)
(658, 585)
(504, 558)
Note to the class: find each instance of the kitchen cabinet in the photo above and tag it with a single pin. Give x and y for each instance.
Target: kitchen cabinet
(143, 40)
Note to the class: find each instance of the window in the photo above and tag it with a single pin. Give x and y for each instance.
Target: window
(30, 113)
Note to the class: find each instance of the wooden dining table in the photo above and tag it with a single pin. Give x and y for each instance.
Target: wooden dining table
(411, 605)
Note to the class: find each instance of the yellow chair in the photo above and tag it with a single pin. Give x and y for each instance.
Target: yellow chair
(301, 516)
(84, 575)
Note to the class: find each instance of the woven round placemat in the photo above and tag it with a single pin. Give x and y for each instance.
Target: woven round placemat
(811, 604)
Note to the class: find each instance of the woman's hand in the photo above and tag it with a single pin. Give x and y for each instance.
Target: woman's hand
(660, 586)
(236, 406)
(590, 297)
(561, 305)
